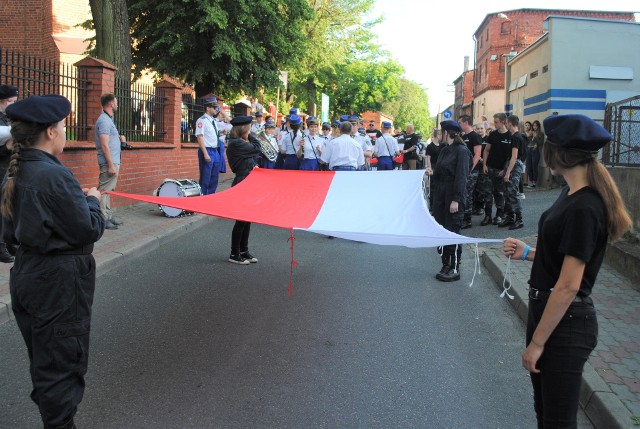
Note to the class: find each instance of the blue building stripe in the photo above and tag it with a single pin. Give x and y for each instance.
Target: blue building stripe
(536, 109)
(577, 105)
(536, 98)
(578, 93)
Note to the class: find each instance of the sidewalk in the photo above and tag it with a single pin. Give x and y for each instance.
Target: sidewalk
(145, 228)
(611, 380)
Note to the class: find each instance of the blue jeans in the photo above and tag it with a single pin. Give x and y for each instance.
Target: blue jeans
(556, 389)
(344, 168)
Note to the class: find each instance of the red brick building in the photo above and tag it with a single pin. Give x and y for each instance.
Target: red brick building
(463, 86)
(506, 33)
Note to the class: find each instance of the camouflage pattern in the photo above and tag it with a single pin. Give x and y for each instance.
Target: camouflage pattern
(512, 204)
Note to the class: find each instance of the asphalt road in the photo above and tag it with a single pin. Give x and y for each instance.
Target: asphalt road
(369, 339)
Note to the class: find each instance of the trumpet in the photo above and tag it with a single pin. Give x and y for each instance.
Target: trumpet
(265, 145)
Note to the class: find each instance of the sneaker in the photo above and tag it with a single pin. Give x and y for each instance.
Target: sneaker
(531, 185)
(116, 220)
(110, 225)
(238, 259)
(248, 257)
(520, 196)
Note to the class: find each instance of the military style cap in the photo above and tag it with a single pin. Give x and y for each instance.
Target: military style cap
(258, 114)
(344, 118)
(336, 124)
(577, 132)
(293, 111)
(450, 125)
(312, 120)
(41, 109)
(295, 119)
(361, 130)
(386, 124)
(210, 101)
(326, 125)
(353, 119)
(8, 91)
(241, 120)
(269, 124)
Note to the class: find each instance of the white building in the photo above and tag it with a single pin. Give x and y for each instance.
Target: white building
(578, 66)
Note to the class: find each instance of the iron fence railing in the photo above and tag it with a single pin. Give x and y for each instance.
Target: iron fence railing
(622, 120)
(37, 76)
(140, 114)
(192, 109)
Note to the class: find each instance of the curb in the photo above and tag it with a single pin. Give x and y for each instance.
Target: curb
(112, 260)
(601, 405)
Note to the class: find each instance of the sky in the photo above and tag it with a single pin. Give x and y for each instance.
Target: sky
(431, 39)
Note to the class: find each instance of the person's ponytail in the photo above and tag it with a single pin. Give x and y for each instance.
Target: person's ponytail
(618, 219)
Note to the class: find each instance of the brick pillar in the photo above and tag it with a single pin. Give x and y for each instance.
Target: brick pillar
(101, 76)
(171, 92)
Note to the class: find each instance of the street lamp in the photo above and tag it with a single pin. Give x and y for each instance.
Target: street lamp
(505, 17)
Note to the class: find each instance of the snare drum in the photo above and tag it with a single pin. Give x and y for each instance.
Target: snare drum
(177, 188)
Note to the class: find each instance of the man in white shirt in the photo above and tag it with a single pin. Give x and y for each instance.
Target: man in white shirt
(386, 147)
(209, 156)
(343, 153)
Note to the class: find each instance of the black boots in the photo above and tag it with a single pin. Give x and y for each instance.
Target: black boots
(508, 220)
(466, 222)
(451, 275)
(517, 223)
(5, 256)
(487, 220)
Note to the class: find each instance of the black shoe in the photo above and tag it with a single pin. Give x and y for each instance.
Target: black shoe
(497, 220)
(5, 256)
(444, 269)
(237, 259)
(466, 224)
(450, 276)
(517, 224)
(486, 220)
(116, 220)
(12, 249)
(249, 257)
(110, 225)
(507, 221)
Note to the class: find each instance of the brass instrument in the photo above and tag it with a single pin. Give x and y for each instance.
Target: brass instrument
(265, 145)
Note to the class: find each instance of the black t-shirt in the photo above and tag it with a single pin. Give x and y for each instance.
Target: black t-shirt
(575, 225)
(472, 140)
(410, 141)
(433, 150)
(520, 142)
(500, 149)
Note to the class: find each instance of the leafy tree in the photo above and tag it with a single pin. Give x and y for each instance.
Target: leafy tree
(411, 106)
(215, 44)
(112, 40)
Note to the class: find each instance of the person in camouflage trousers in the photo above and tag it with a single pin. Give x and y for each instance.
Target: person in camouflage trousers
(474, 143)
(496, 154)
(513, 175)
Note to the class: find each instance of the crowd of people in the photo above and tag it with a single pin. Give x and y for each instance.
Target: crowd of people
(51, 223)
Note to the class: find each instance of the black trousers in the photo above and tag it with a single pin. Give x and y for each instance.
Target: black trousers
(556, 389)
(240, 237)
(452, 253)
(51, 297)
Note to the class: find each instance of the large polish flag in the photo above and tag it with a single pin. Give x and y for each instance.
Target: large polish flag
(378, 207)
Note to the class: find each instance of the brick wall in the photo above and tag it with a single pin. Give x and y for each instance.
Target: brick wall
(376, 117)
(31, 27)
(497, 36)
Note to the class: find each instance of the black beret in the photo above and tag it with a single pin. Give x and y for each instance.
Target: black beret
(450, 125)
(41, 109)
(576, 132)
(8, 91)
(241, 120)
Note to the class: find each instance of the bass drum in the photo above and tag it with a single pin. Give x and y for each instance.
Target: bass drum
(177, 188)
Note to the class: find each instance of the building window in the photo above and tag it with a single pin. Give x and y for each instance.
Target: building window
(486, 68)
(479, 74)
(533, 74)
(502, 64)
(545, 69)
(487, 35)
(505, 28)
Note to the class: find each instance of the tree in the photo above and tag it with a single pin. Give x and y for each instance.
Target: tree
(362, 84)
(112, 41)
(411, 106)
(223, 45)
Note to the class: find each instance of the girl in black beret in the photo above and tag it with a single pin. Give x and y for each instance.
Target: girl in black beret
(572, 237)
(241, 153)
(55, 223)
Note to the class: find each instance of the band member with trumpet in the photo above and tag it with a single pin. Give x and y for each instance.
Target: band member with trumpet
(386, 147)
(258, 125)
(310, 147)
(363, 140)
(291, 143)
(242, 151)
(269, 129)
(209, 156)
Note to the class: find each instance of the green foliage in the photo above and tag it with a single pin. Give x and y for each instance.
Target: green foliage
(411, 106)
(219, 45)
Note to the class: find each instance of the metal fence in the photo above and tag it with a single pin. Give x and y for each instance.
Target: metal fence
(622, 120)
(37, 76)
(192, 109)
(140, 111)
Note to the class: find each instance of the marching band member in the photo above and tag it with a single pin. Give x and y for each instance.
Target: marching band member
(257, 126)
(326, 132)
(343, 153)
(451, 175)
(310, 147)
(269, 129)
(291, 143)
(241, 153)
(386, 148)
(362, 140)
(209, 156)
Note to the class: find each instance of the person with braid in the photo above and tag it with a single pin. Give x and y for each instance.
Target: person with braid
(55, 223)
